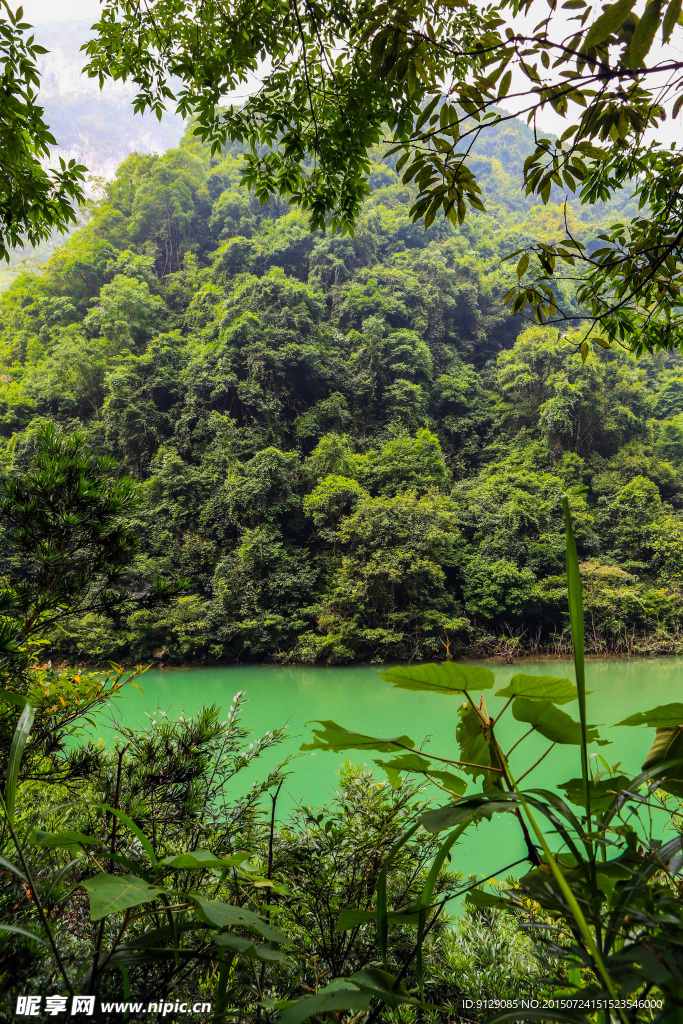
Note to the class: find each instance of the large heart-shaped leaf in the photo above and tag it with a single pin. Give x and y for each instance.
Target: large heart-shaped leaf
(551, 722)
(62, 840)
(448, 677)
(552, 688)
(666, 716)
(249, 949)
(602, 793)
(668, 746)
(336, 737)
(110, 894)
(423, 766)
(225, 915)
(198, 860)
(472, 809)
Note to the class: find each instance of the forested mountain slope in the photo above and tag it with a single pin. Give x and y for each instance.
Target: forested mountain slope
(348, 447)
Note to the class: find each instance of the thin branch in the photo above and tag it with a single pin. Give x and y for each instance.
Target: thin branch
(535, 764)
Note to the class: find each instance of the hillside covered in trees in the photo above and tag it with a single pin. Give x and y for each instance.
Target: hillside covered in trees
(349, 449)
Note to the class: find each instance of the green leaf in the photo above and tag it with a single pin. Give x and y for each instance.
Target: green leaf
(551, 722)
(448, 677)
(404, 763)
(11, 697)
(225, 915)
(453, 783)
(354, 993)
(111, 894)
(673, 13)
(335, 737)
(350, 918)
(611, 19)
(644, 34)
(553, 688)
(198, 860)
(422, 765)
(486, 900)
(602, 794)
(248, 949)
(21, 734)
(385, 987)
(381, 911)
(474, 747)
(66, 840)
(471, 810)
(558, 1016)
(7, 865)
(137, 832)
(665, 716)
(426, 112)
(667, 746)
(338, 995)
(22, 931)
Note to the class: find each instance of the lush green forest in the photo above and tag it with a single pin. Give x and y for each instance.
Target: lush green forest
(348, 448)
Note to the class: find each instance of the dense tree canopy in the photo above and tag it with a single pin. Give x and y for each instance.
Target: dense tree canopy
(329, 80)
(348, 446)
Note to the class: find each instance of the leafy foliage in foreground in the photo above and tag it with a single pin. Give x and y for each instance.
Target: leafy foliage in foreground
(348, 447)
(604, 876)
(203, 890)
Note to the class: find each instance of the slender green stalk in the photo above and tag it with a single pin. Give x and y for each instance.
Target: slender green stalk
(572, 902)
(575, 593)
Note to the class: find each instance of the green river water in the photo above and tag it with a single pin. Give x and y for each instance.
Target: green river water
(359, 700)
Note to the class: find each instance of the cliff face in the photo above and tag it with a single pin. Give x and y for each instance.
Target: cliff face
(96, 127)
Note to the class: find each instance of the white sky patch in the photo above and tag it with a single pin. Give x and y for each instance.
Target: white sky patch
(50, 11)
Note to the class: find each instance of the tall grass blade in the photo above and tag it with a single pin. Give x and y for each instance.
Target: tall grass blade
(575, 591)
(21, 734)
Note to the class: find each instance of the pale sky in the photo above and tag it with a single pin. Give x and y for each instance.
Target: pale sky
(62, 10)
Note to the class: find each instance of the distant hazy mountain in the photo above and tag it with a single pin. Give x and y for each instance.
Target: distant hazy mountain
(96, 127)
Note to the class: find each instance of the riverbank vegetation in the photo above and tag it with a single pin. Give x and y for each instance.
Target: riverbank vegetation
(347, 449)
(156, 868)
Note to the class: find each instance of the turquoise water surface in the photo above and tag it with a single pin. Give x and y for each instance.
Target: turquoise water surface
(359, 700)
